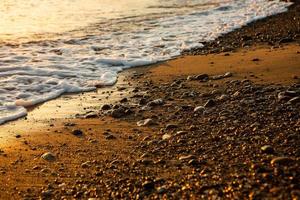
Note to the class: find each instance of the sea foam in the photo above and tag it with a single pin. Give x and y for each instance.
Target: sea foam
(32, 73)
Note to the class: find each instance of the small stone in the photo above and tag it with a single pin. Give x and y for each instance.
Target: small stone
(223, 97)
(161, 190)
(236, 94)
(48, 156)
(210, 103)
(171, 126)
(294, 100)
(106, 107)
(295, 77)
(178, 133)
(166, 136)
(86, 164)
(124, 100)
(281, 96)
(118, 112)
(227, 75)
(110, 137)
(146, 161)
(146, 122)
(255, 59)
(47, 193)
(77, 132)
(18, 136)
(155, 102)
(148, 185)
(201, 77)
(281, 161)
(267, 149)
(199, 109)
(188, 157)
(193, 162)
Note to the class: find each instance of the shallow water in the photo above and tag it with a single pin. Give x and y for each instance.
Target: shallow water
(51, 47)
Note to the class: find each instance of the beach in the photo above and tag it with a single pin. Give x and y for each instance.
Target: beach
(218, 122)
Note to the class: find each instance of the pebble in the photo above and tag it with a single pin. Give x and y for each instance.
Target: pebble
(110, 137)
(48, 156)
(294, 100)
(166, 136)
(236, 94)
(155, 102)
(146, 122)
(148, 185)
(201, 77)
(281, 160)
(77, 132)
(267, 149)
(210, 103)
(223, 97)
(199, 109)
(188, 157)
(86, 164)
(171, 126)
(118, 112)
(161, 190)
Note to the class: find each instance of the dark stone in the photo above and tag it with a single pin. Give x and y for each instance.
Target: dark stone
(77, 132)
(118, 113)
(201, 77)
(106, 107)
(148, 185)
(210, 103)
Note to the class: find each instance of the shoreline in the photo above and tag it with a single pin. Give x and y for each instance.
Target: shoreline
(182, 151)
(94, 155)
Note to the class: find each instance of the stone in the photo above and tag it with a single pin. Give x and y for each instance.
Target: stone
(86, 164)
(227, 75)
(281, 161)
(118, 112)
(199, 109)
(166, 136)
(48, 156)
(155, 102)
(171, 126)
(294, 100)
(106, 107)
(236, 94)
(148, 185)
(267, 149)
(146, 122)
(161, 190)
(210, 103)
(110, 137)
(77, 132)
(201, 77)
(47, 193)
(281, 96)
(223, 97)
(188, 157)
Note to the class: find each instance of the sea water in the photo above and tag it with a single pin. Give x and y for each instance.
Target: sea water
(52, 47)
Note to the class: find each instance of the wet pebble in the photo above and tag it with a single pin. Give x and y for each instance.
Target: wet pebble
(267, 149)
(210, 103)
(77, 132)
(48, 156)
(281, 161)
(146, 122)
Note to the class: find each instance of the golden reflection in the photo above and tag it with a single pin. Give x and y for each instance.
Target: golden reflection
(19, 18)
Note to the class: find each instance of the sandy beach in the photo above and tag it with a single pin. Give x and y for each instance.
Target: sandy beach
(221, 122)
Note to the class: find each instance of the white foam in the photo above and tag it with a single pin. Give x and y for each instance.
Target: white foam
(37, 72)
